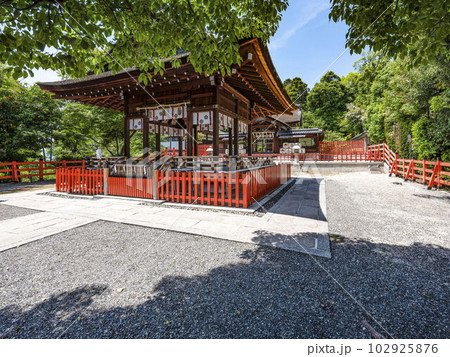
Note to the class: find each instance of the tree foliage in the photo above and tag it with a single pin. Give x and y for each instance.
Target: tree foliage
(83, 128)
(78, 36)
(391, 101)
(297, 91)
(414, 29)
(27, 119)
(328, 101)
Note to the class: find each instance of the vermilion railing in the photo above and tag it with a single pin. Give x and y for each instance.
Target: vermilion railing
(233, 189)
(338, 147)
(130, 187)
(79, 180)
(431, 173)
(17, 170)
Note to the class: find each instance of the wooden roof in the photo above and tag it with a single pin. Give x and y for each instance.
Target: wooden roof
(255, 78)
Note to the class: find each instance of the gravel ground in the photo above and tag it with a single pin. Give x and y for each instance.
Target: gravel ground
(108, 280)
(14, 186)
(7, 212)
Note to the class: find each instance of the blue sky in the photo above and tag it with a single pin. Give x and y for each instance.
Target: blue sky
(305, 45)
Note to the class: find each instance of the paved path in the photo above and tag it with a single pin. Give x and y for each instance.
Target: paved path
(296, 223)
(25, 229)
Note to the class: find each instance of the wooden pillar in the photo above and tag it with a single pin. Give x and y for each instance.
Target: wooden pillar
(276, 143)
(249, 141)
(145, 138)
(215, 132)
(230, 141)
(236, 137)
(126, 129)
(180, 146)
(158, 140)
(189, 125)
(249, 131)
(195, 141)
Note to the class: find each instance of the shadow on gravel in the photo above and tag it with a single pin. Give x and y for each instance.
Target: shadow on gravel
(302, 200)
(432, 197)
(269, 294)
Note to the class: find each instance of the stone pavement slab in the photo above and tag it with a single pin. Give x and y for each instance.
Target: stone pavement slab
(296, 222)
(20, 230)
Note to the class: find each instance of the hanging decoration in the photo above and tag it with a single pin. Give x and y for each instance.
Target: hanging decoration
(204, 120)
(166, 130)
(263, 135)
(168, 113)
(225, 122)
(135, 124)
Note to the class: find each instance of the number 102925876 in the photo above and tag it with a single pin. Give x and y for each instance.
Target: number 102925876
(403, 348)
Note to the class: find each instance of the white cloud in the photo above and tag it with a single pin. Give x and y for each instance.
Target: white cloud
(298, 16)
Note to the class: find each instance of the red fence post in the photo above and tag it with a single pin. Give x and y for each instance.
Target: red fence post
(14, 175)
(438, 173)
(41, 169)
(424, 172)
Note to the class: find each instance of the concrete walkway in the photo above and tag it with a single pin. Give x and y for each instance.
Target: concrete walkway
(297, 222)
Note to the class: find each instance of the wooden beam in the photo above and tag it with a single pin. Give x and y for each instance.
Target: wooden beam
(126, 128)
(195, 141)
(249, 141)
(145, 137)
(216, 132)
(236, 93)
(189, 124)
(236, 137)
(180, 146)
(158, 140)
(249, 131)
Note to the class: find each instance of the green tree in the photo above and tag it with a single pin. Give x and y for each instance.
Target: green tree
(83, 128)
(28, 117)
(298, 91)
(328, 101)
(310, 120)
(399, 101)
(353, 122)
(416, 29)
(81, 35)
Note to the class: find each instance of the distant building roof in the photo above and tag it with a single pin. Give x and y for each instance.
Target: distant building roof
(301, 133)
(360, 135)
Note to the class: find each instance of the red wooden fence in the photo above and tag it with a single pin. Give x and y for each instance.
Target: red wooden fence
(233, 189)
(16, 170)
(130, 187)
(342, 147)
(79, 180)
(431, 173)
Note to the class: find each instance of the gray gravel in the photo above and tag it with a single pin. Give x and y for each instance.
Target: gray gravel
(15, 186)
(182, 286)
(7, 212)
(388, 210)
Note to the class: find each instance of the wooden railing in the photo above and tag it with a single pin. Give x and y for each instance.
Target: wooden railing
(79, 180)
(431, 173)
(339, 157)
(15, 171)
(234, 189)
(338, 147)
(262, 181)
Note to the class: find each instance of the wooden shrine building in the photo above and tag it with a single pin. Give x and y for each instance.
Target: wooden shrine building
(182, 103)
